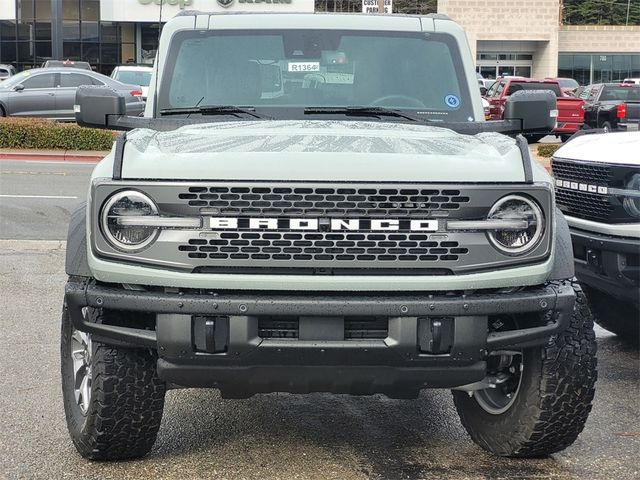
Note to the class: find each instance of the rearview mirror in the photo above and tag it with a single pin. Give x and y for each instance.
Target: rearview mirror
(18, 88)
(95, 104)
(483, 91)
(536, 110)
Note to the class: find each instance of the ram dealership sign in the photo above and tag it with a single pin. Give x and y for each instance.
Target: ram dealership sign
(149, 10)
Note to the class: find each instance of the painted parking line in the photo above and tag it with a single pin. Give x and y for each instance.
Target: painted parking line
(51, 197)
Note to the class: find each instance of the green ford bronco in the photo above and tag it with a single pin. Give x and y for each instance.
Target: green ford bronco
(314, 203)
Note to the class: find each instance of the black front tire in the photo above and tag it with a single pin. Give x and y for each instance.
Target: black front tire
(621, 318)
(124, 412)
(554, 396)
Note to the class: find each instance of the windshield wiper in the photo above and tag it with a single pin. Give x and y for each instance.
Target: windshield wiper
(363, 111)
(215, 110)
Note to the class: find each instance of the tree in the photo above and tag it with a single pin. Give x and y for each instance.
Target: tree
(601, 12)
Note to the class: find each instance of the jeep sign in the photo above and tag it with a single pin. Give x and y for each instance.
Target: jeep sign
(149, 10)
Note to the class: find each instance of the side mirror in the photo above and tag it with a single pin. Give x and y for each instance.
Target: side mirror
(18, 88)
(536, 110)
(95, 104)
(484, 91)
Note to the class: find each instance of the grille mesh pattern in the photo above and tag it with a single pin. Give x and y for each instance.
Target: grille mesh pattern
(582, 172)
(579, 203)
(323, 246)
(345, 202)
(584, 205)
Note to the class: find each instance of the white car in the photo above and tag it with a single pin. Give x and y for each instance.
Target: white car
(598, 189)
(134, 75)
(632, 81)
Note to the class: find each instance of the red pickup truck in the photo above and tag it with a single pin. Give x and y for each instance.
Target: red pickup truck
(570, 109)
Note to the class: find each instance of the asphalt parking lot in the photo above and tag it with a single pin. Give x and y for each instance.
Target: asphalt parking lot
(268, 436)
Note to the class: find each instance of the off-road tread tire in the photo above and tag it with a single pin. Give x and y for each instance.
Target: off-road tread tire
(618, 317)
(555, 395)
(127, 400)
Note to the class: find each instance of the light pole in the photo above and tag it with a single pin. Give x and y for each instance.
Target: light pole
(381, 7)
(628, 7)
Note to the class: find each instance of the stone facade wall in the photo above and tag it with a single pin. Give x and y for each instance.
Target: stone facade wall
(599, 39)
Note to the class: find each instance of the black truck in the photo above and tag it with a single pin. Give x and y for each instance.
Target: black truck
(611, 106)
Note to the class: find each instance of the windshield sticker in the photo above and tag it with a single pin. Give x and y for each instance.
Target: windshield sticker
(452, 101)
(339, 78)
(304, 66)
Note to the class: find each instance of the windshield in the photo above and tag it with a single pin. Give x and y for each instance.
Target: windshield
(284, 71)
(15, 80)
(134, 78)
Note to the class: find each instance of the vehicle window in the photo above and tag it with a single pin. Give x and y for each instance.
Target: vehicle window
(515, 86)
(39, 81)
(4, 72)
(583, 92)
(623, 94)
(592, 93)
(76, 80)
(301, 68)
(568, 83)
(493, 91)
(134, 78)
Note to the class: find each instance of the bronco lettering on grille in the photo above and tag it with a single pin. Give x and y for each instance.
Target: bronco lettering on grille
(582, 187)
(322, 224)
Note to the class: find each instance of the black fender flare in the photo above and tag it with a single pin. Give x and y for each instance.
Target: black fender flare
(76, 259)
(563, 263)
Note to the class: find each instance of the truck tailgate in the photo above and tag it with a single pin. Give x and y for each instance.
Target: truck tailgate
(570, 115)
(631, 114)
(570, 110)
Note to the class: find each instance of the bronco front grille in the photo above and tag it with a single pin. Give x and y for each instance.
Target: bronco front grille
(577, 195)
(310, 201)
(323, 246)
(581, 172)
(323, 228)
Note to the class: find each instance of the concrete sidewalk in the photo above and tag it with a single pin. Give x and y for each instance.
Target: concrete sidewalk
(52, 155)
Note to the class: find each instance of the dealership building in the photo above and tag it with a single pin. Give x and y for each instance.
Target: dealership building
(525, 38)
(104, 33)
(507, 37)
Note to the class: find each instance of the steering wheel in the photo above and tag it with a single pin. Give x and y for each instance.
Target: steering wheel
(404, 101)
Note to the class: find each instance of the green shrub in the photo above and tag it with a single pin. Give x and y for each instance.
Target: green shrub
(547, 150)
(48, 135)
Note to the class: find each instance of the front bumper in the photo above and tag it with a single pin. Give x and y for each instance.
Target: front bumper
(229, 351)
(608, 263)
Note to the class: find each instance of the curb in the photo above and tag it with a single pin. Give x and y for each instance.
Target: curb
(62, 156)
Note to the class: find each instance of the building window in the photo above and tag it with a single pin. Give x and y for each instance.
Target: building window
(598, 67)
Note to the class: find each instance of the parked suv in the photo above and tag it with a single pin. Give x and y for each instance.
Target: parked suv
(570, 109)
(598, 189)
(6, 71)
(314, 203)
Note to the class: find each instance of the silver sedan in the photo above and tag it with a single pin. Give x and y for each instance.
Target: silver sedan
(51, 92)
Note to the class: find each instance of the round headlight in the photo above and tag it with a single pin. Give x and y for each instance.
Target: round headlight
(632, 204)
(121, 234)
(517, 241)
